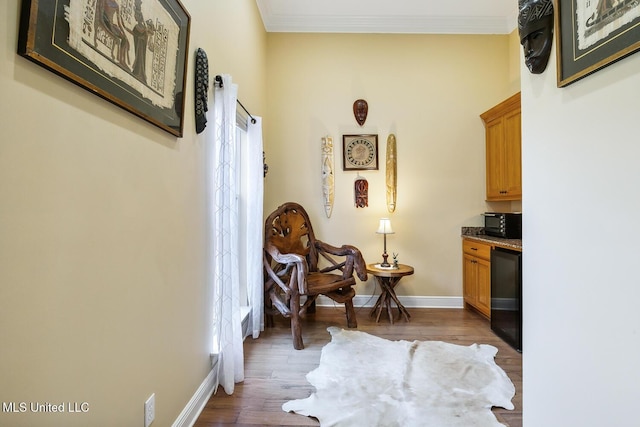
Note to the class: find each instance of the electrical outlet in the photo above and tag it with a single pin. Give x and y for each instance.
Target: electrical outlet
(150, 410)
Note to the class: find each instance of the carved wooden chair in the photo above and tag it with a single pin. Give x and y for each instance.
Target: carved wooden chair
(291, 264)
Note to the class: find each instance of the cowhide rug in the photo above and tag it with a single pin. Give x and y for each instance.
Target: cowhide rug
(368, 381)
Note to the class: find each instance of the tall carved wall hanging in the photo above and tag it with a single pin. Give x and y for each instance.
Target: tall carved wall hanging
(328, 181)
(201, 89)
(392, 173)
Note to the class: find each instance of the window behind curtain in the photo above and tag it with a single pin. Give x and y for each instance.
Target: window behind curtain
(241, 138)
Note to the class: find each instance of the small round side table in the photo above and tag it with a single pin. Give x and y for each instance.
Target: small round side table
(388, 278)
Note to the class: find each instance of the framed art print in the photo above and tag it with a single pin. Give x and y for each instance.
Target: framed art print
(132, 53)
(359, 152)
(593, 34)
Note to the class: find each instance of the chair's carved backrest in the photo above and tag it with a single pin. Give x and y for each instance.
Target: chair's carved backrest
(289, 229)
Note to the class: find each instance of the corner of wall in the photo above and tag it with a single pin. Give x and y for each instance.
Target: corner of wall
(515, 59)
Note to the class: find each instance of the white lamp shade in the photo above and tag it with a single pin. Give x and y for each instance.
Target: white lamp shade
(385, 226)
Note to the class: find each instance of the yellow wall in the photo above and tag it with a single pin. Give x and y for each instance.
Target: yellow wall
(515, 54)
(428, 90)
(103, 292)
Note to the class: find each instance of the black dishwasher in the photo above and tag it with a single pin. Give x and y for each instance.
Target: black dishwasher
(506, 295)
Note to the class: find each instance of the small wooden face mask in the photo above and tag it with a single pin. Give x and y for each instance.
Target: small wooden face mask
(360, 110)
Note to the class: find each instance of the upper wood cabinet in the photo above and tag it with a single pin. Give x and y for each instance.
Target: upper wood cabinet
(503, 150)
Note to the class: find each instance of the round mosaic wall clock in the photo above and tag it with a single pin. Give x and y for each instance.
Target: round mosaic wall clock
(360, 152)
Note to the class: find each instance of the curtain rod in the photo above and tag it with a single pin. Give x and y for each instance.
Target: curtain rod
(218, 81)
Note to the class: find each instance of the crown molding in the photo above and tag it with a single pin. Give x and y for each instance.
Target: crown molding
(316, 22)
(396, 24)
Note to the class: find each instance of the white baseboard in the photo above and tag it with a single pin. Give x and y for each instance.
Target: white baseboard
(191, 412)
(407, 301)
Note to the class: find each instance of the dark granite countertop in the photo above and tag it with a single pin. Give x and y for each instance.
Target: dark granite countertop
(477, 233)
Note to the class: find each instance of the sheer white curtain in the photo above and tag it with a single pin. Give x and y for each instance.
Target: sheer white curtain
(255, 230)
(224, 194)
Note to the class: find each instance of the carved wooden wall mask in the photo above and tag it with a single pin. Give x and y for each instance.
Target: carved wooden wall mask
(361, 189)
(360, 111)
(535, 27)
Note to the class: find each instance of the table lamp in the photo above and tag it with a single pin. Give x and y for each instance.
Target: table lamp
(384, 228)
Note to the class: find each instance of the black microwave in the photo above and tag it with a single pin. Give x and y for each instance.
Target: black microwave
(503, 224)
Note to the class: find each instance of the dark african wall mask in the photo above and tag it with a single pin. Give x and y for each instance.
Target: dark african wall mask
(360, 110)
(201, 89)
(535, 26)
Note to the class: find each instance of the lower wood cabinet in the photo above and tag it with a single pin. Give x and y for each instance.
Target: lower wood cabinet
(476, 276)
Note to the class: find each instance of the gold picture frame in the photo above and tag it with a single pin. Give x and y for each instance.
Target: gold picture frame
(360, 152)
(134, 58)
(591, 37)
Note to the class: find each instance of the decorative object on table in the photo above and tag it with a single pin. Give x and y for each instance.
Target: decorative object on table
(395, 260)
(361, 192)
(328, 179)
(392, 173)
(414, 381)
(384, 228)
(359, 152)
(201, 89)
(83, 42)
(360, 111)
(593, 35)
(535, 27)
(298, 267)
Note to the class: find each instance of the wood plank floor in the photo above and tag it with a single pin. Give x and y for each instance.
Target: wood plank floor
(275, 372)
